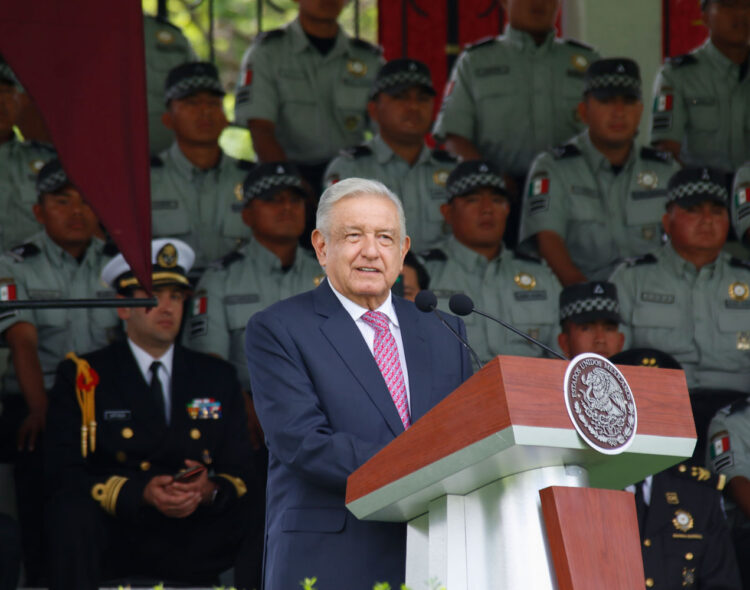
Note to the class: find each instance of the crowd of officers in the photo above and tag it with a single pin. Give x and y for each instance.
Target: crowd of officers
(539, 204)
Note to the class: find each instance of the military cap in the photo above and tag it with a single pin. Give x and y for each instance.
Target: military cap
(616, 76)
(6, 74)
(582, 303)
(691, 186)
(473, 175)
(267, 179)
(399, 74)
(190, 78)
(646, 357)
(171, 258)
(51, 178)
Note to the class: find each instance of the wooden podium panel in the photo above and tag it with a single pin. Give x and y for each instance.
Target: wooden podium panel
(593, 538)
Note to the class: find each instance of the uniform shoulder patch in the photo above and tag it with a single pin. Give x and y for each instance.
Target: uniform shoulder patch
(227, 260)
(481, 43)
(357, 151)
(682, 60)
(578, 44)
(434, 254)
(362, 44)
(156, 161)
(641, 260)
(444, 156)
(527, 257)
(565, 151)
(739, 263)
(272, 34)
(245, 165)
(648, 153)
(699, 475)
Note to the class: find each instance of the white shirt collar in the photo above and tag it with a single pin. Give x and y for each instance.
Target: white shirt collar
(357, 311)
(144, 360)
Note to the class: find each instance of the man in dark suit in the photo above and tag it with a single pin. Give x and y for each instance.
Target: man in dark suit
(117, 504)
(337, 373)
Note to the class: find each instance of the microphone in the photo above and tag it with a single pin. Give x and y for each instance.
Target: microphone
(427, 302)
(461, 304)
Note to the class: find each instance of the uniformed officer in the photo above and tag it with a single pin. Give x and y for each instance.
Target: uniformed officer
(511, 97)
(740, 205)
(62, 262)
(303, 90)
(166, 48)
(598, 197)
(701, 111)
(127, 424)
(519, 290)
(401, 103)
(413, 278)
(194, 184)
(590, 320)
(690, 299)
(728, 454)
(269, 268)
(20, 163)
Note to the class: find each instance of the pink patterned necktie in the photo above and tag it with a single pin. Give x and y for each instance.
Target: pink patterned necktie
(386, 356)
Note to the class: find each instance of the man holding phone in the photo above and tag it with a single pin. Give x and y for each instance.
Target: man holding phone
(149, 457)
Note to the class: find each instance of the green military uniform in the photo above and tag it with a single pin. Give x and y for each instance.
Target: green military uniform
(20, 162)
(233, 289)
(740, 202)
(521, 291)
(317, 102)
(601, 214)
(196, 205)
(699, 317)
(166, 47)
(513, 99)
(40, 269)
(702, 100)
(421, 186)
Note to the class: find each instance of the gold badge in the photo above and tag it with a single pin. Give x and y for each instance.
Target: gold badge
(167, 256)
(36, 166)
(672, 498)
(648, 179)
(525, 281)
(351, 122)
(743, 340)
(195, 434)
(579, 62)
(319, 279)
(145, 465)
(238, 191)
(440, 177)
(356, 68)
(164, 37)
(739, 291)
(700, 473)
(648, 361)
(648, 233)
(127, 432)
(682, 521)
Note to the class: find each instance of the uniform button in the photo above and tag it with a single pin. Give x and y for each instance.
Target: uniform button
(195, 434)
(647, 542)
(689, 556)
(121, 456)
(127, 432)
(649, 582)
(145, 465)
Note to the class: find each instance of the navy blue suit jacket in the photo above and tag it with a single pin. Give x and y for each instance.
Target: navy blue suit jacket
(325, 410)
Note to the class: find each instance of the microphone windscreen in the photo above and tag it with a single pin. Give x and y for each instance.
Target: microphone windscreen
(425, 300)
(461, 304)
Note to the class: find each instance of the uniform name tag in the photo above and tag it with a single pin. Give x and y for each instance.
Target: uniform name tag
(108, 294)
(700, 101)
(657, 298)
(732, 304)
(530, 295)
(163, 205)
(584, 190)
(113, 415)
(238, 299)
(659, 192)
(493, 71)
(44, 294)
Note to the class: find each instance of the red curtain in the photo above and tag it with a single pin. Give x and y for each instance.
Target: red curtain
(683, 28)
(82, 63)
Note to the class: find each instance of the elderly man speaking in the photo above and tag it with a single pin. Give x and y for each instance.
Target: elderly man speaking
(337, 373)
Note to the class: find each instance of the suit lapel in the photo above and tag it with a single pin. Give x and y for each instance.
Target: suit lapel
(417, 354)
(346, 339)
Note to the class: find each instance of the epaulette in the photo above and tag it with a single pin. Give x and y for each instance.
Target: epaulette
(356, 151)
(483, 41)
(700, 475)
(739, 263)
(648, 153)
(444, 156)
(110, 248)
(272, 34)
(434, 254)
(640, 260)
(682, 60)
(565, 151)
(27, 250)
(226, 260)
(578, 44)
(362, 44)
(245, 165)
(527, 257)
(156, 161)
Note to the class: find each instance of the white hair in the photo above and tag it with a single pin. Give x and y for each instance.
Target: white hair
(355, 187)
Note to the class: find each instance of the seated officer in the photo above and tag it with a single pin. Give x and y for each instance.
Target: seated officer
(117, 504)
(598, 197)
(690, 299)
(413, 279)
(303, 90)
(521, 291)
(702, 99)
(194, 184)
(20, 162)
(401, 103)
(270, 268)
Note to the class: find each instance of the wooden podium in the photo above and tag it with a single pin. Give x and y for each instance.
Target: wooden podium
(468, 476)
